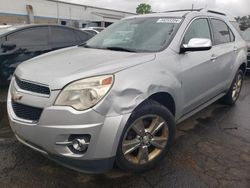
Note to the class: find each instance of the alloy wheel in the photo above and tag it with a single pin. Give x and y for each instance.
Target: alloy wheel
(237, 87)
(145, 139)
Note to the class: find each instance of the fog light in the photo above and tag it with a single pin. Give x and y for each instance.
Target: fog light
(79, 144)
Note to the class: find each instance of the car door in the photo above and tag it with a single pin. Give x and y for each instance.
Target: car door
(200, 76)
(62, 37)
(224, 50)
(29, 42)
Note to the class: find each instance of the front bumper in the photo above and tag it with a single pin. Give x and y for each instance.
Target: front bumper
(86, 166)
(56, 124)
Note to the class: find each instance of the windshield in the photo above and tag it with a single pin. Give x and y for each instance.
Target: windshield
(246, 35)
(136, 35)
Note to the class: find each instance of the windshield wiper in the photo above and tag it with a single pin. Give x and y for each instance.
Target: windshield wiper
(120, 49)
(109, 48)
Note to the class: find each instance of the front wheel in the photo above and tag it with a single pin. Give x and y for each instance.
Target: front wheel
(147, 137)
(234, 92)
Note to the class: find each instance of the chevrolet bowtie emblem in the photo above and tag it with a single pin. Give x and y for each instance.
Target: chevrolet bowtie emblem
(15, 96)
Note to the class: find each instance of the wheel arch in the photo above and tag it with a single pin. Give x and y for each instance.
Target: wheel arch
(165, 99)
(243, 67)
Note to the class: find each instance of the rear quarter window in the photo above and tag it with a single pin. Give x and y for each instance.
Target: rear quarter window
(62, 36)
(84, 36)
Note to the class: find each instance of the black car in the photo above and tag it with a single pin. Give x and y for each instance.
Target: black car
(246, 36)
(20, 43)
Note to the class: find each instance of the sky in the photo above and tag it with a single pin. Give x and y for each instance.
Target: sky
(233, 7)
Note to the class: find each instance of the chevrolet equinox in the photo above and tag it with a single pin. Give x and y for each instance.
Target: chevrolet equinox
(117, 98)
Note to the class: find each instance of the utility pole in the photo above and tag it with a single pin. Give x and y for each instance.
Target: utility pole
(192, 6)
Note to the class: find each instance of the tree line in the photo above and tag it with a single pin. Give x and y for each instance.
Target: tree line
(244, 22)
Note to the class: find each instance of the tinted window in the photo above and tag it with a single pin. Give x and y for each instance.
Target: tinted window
(221, 32)
(30, 37)
(84, 36)
(63, 35)
(1, 42)
(1, 39)
(198, 29)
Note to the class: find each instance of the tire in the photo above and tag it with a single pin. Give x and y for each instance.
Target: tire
(147, 136)
(234, 92)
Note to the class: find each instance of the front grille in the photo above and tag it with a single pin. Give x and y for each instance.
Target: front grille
(26, 112)
(27, 86)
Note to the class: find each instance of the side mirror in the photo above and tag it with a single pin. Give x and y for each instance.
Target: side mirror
(7, 46)
(197, 44)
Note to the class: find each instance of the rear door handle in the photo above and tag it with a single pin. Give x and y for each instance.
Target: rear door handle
(213, 58)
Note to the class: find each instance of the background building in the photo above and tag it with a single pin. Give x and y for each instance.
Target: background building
(54, 11)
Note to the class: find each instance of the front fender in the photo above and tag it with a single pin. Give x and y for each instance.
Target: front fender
(133, 86)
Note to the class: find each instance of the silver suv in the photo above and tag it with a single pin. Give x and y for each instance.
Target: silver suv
(118, 97)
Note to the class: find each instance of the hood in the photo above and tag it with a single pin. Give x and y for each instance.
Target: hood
(61, 67)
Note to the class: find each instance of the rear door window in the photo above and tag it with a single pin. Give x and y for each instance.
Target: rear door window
(62, 37)
(83, 36)
(220, 31)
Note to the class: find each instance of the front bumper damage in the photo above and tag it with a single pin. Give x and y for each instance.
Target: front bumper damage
(57, 124)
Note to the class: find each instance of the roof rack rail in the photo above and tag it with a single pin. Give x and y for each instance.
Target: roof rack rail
(182, 10)
(217, 12)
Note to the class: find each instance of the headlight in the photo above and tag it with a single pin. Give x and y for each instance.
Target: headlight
(86, 93)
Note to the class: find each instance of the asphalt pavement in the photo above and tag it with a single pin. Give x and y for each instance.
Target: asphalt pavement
(212, 149)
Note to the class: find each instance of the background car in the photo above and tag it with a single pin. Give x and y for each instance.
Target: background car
(22, 42)
(246, 36)
(94, 30)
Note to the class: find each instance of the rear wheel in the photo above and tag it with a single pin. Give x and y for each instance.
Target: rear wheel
(234, 92)
(148, 135)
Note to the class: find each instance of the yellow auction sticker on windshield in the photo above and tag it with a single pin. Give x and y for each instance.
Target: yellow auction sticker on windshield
(168, 20)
